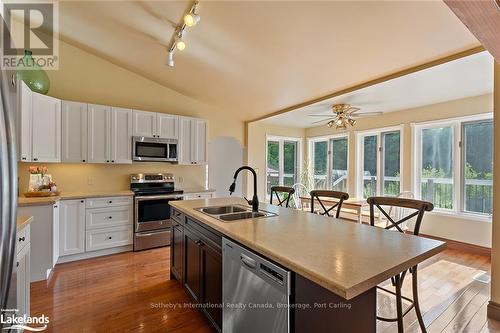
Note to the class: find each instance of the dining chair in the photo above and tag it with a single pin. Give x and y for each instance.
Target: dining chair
(287, 193)
(398, 213)
(418, 207)
(300, 191)
(319, 194)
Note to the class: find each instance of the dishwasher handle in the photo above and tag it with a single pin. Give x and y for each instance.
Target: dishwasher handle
(249, 262)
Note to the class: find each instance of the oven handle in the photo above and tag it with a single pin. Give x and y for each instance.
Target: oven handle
(154, 197)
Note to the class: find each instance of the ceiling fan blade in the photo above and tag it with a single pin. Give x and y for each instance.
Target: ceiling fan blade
(366, 114)
(320, 115)
(322, 121)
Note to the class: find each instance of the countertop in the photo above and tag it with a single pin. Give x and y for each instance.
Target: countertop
(344, 257)
(24, 201)
(22, 221)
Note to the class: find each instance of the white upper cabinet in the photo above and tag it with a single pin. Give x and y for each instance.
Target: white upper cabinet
(155, 125)
(74, 132)
(192, 140)
(46, 128)
(24, 119)
(121, 135)
(200, 139)
(99, 133)
(72, 227)
(144, 123)
(167, 126)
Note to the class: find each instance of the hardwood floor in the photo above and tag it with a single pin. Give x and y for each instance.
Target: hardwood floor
(131, 292)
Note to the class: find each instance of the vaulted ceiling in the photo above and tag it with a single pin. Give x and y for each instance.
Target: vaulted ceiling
(259, 57)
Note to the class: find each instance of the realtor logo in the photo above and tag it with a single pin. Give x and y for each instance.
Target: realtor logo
(30, 26)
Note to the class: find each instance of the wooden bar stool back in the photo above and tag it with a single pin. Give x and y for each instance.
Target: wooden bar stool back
(418, 207)
(286, 195)
(339, 196)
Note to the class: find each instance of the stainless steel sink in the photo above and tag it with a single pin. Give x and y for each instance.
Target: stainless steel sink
(241, 216)
(234, 213)
(222, 210)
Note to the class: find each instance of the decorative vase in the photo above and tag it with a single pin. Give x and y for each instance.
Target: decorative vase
(32, 74)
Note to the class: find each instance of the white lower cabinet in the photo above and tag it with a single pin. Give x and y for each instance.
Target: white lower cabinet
(105, 238)
(88, 225)
(72, 227)
(23, 247)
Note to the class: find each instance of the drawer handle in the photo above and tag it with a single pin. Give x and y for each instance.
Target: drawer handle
(200, 243)
(17, 264)
(22, 239)
(110, 201)
(110, 237)
(35, 159)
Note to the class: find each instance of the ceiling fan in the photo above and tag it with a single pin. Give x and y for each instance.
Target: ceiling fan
(343, 114)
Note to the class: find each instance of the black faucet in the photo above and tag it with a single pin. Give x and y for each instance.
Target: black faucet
(255, 200)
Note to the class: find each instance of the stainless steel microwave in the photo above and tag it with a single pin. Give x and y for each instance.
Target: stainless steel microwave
(146, 149)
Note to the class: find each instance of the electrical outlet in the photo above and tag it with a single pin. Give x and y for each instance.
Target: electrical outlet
(90, 181)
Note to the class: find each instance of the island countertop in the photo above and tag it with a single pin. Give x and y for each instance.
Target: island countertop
(344, 257)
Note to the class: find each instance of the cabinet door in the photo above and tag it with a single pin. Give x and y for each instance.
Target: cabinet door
(185, 140)
(46, 128)
(23, 281)
(192, 271)
(167, 126)
(211, 282)
(200, 141)
(121, 135)
(72, 227)
(55, 234)
(98, 133)
(176, 251)
(74, 132)
(144, 123)
(24, 120)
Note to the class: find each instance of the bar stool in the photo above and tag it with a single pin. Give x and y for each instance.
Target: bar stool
(276, 190)
(318, 194)
(420, 208)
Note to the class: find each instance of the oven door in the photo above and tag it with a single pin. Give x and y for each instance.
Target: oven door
(153, 212)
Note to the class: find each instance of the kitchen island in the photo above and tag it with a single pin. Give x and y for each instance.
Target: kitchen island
(333, 262)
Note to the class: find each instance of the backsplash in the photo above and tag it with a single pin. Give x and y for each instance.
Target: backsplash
(74, 177)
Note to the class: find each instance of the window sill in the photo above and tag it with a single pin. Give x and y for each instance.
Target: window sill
(462, 215)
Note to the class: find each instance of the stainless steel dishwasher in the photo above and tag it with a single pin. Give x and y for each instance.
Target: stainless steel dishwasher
(255, 292)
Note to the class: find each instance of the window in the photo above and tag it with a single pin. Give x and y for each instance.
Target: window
(283, 158)
(379, 162)
(454, 164)
(329, 156)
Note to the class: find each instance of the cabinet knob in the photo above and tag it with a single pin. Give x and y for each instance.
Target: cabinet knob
(17, 264)
(110, 237)
(55, 206)
(35, 159)
(110, 217)
(22, 239)
(110, 201)
(24, 158)
(107, 161)
(82, 201)
(112, 161)
(83, 160)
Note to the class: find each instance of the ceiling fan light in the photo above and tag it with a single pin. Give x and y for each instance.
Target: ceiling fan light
(351, 121)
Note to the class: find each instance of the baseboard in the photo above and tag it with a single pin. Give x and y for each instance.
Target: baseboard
(93, 254)
(461, 246)
(494, 310)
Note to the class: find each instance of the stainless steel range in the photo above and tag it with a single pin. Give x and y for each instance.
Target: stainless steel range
(153, 193)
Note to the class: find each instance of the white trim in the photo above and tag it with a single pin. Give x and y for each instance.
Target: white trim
(360, 135)
(456, 124)
(299, 156)
(328, 139)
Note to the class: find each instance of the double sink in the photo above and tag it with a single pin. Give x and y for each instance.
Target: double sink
(234, 213)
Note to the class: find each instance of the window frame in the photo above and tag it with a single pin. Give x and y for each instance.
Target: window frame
(457, 125)
(360, 135)
(329, 162)
(281, 140)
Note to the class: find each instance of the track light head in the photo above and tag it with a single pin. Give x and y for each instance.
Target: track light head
(170, 59)
(191, 19)
(179, 43)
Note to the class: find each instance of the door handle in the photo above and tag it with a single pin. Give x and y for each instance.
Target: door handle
(249, 262)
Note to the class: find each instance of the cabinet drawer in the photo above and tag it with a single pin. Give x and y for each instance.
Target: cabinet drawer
(23, 238)
(177, 216)
(108, 202)
(107, 237)
(108, 217)
(210, 236)
(194, 196)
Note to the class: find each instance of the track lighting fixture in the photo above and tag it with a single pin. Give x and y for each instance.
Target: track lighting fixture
(190, 19)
